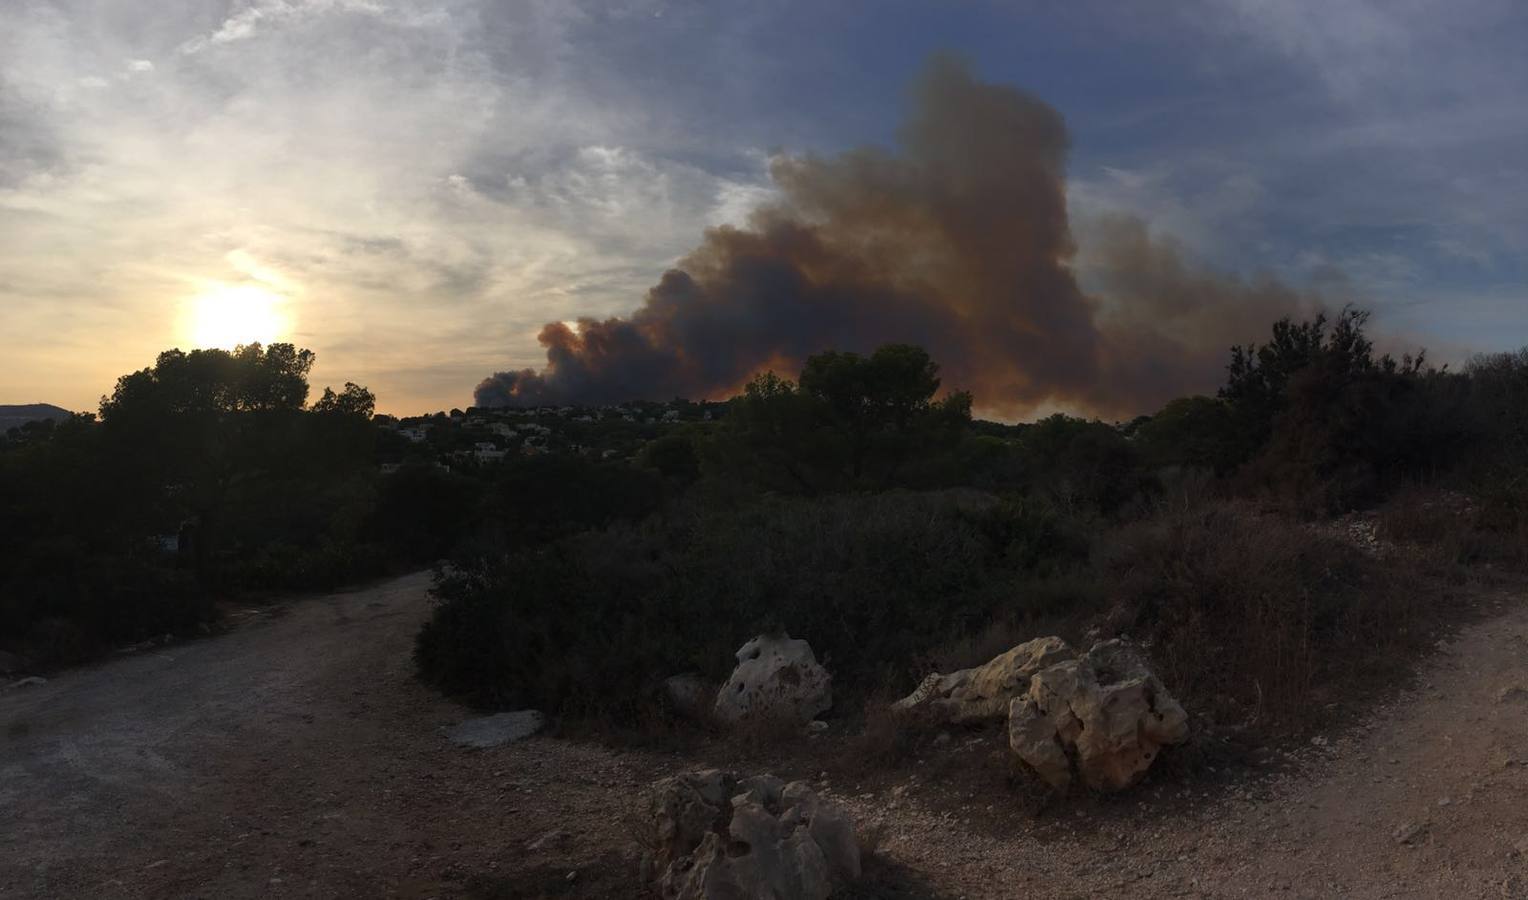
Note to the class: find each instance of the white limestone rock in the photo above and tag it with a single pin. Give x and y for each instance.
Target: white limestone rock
(776, 678)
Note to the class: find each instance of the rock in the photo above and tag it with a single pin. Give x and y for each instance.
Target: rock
(689, 695)
(1103, 718)
(10, 663)
(984, 693)
(684, 810)
(553, 838)
(1409, 832)
(1513, 694)
(491, 731)
(32, 681)
(775, 678)
(718, 836)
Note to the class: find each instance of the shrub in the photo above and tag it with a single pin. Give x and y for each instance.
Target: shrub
(1260, 614)
(422, 512)
(1081, 466)
(874, 583)
(541, 498)
(1445, 530)
(62, 606)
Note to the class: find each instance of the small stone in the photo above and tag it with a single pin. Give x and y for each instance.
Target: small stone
(552, 838)
(491, 731)
(1513, 694)
(1409, 832)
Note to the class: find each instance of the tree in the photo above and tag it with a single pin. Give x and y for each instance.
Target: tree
(852, 422)
(204, 427)
(354, 400)
(1080, 464)
(1324, 421)
(1189, 431)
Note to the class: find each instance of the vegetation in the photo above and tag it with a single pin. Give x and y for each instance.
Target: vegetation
(593, 552)
(840, 508)
(205, 473)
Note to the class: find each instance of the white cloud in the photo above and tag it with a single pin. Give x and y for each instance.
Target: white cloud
(262, 15)
(424, 199)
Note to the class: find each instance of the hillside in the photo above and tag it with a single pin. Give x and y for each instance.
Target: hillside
(15, 416)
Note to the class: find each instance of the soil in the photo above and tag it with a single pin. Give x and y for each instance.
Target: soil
(297, 756)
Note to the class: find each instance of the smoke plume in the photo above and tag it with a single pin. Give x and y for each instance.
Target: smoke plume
(960, 243)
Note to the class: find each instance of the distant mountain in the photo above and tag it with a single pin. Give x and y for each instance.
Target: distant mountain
(15, 416)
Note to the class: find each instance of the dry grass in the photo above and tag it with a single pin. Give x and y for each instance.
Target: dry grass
(1261, 619)
(1444, 531)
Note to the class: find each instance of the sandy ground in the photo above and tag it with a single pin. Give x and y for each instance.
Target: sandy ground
(297, 757)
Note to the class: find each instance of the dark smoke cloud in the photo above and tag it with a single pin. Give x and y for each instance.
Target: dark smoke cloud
(960, 243)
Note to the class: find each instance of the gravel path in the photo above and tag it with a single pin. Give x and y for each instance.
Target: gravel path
(298, 757)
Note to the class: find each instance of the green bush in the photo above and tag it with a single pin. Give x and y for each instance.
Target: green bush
(875, 584)
(61, 606)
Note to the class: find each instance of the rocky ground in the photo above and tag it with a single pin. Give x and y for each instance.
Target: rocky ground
(296, 756)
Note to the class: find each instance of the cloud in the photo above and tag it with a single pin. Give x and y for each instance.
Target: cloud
(960, 241)
(423, 196)
(265, 15)
(143, 141)
(29, 145)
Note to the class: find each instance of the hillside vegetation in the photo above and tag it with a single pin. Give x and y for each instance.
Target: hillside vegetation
(859, 508)
(590, 553)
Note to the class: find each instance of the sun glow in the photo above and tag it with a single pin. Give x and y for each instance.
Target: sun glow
(226, 315)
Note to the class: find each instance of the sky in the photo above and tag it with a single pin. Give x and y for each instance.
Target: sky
(412, 189)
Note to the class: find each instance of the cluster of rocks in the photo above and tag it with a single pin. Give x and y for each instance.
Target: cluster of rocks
(716, 835)
(1100, 716)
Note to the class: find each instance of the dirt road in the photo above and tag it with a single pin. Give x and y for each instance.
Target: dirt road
(297, 757)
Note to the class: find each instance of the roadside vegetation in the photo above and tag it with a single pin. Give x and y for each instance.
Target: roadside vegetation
(857, 505)
(863, 510)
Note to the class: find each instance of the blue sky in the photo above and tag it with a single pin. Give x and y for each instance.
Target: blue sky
(413, 188)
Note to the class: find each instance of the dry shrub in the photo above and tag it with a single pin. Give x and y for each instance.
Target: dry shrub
(886, 738)
(1442, 530)
(1258, 617)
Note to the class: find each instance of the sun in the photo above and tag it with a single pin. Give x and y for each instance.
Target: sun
(226, 315)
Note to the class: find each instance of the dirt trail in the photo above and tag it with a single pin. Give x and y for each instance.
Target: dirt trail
(298, 757)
